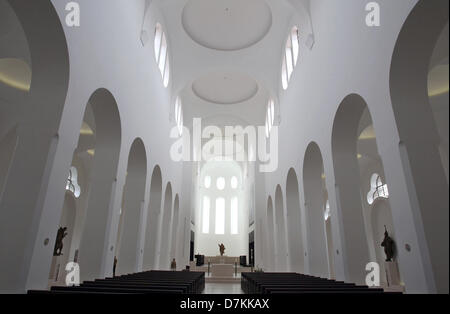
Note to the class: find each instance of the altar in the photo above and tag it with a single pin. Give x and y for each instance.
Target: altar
(222, 270)
(221, 259)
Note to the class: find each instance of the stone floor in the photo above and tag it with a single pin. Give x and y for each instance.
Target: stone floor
(223, 288)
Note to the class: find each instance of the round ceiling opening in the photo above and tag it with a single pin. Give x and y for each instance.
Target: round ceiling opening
(227, 24)
(225, 88)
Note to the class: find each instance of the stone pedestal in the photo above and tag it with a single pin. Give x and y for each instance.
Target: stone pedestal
(392, 274)
(222, 270)
(55, 269)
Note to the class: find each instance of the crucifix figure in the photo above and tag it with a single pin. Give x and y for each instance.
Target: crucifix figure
(222, 249)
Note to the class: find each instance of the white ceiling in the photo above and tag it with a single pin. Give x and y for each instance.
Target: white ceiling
(225, 88)
(227, 25)
(227, 52)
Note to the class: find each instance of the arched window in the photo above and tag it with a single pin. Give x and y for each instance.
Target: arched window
(207, 182)
(206, 209)
(220, 183)
(327, 212)
(290, 56)
(162, 54)
(72, 182)
(179, 115)
(234, 215)
(220, 215)
(270, 117)
(377, 189)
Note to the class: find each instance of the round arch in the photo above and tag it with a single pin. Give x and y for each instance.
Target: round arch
(174, 233)
(280, 226)
(410, 66)
(103, 181)
(296, 254)
(153, 211)
(270, 235)
(128, 246)
(44, 46)
(164, 242)
(314, 189)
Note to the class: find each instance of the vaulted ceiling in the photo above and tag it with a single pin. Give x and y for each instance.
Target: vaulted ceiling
(226, 55)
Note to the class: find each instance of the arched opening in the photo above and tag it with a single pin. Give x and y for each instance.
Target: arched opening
(127, 245)
(280, 226)
(164, 242)
(374, 190)
(356, 158)
(176, 213)
(419, 95)
(294, 223)
(315, 190)
(30, 44)
(102, 182)
(270, 235)
(154, 208)
(222, 213)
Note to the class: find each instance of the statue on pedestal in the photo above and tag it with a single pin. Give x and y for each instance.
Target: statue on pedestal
(389, 246)
(62, 233)
(222, 249)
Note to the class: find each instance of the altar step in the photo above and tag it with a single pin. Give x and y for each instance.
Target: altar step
(222, 279)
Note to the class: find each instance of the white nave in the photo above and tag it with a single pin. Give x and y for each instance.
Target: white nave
(354, 115)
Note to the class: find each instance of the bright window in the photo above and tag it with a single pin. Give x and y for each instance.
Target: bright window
(377, 189)
(220, 216)
(161, 54)
(234, 215)
(327, 212)
(206, 210)
(270, 116)
(207, 182)
(179, 115)
(220, 183)
(290, 57)
(72, 182)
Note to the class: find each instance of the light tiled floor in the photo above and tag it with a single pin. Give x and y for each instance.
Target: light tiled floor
(223, 288)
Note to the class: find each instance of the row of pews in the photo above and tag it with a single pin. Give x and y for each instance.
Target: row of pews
(294, 283)
(150, 282)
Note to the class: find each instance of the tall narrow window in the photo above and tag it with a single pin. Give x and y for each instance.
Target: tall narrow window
(179, 115)
(270, 117)
(234, 215)
(158, 37)
(220, 183)
(207, 182)
(220, 216)
(295, 44)
(290, 56)
(161, 54)
(206, 209)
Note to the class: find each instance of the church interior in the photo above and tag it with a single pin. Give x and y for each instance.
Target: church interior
(224, 147)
